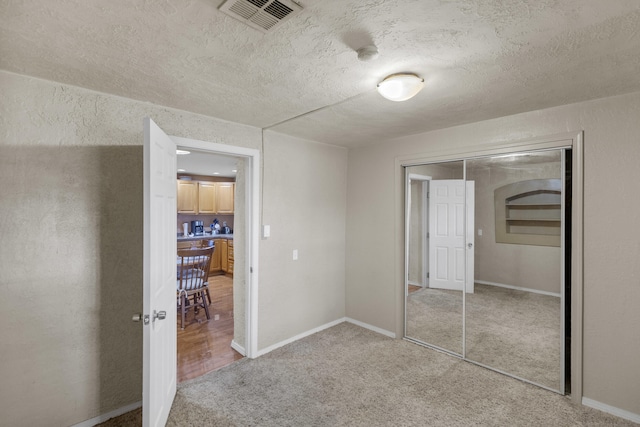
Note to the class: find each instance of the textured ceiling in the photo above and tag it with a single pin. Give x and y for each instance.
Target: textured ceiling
(207, 164)
(480, 59)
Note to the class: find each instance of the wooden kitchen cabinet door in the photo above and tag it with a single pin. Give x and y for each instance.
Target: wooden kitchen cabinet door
(215, 258)
(187, 200)
(230, 256)
(224, 254)
(184, 245)
(225, 197)
(207, 197)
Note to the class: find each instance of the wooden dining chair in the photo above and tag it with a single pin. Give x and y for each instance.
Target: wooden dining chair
(192, 283)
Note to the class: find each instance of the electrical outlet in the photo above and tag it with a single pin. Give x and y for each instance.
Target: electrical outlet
(479, 231)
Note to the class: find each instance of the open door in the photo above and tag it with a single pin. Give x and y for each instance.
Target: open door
(159, 277)
(449, 255)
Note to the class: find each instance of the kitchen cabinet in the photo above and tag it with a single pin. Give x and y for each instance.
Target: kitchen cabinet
(224, 254)
(204, 197)
(222, 258)
(215, 259)
(184, 245)
(225, 197)
(230, 257)
(207, 197)
(187, 197)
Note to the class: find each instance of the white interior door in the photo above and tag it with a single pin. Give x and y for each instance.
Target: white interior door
(159, 277)
(447, 257)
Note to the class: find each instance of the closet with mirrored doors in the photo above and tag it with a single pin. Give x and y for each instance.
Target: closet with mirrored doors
(487, 257)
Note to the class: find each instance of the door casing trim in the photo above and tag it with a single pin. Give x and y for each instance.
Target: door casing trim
(252, 200)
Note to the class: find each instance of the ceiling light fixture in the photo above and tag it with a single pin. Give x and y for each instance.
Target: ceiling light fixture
(401, 86)
(182, 152)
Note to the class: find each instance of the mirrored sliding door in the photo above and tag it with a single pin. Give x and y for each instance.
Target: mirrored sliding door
(435, 265)
(514, 317)
(485, 258)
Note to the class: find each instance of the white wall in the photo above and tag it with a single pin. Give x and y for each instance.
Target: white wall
(611, 221)
(305, 204)
(70, 223)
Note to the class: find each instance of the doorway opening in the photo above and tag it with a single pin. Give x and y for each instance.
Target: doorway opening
(206, 211)
(217, 207)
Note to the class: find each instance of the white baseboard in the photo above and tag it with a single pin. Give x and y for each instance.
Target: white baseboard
(299, 336)
(371, 327)
(104, 417)
(237, 347)
(321, 328)
(518, 288)
(611, 410)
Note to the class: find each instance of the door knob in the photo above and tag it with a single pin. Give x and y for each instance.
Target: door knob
(470, 245)
(139, 316)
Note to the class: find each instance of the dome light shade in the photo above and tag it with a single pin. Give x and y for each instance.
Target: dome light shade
(400, 87)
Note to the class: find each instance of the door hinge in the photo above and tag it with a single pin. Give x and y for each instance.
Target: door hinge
(250, 269)
(427, 275)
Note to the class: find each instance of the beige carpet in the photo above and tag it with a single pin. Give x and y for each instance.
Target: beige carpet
(514, 331)
(434, 316)
(350, 376)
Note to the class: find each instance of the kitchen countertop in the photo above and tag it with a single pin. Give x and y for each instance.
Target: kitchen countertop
(181, 238)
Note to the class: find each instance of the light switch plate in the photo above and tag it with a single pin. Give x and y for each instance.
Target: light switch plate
(295, 254)
(266, 231)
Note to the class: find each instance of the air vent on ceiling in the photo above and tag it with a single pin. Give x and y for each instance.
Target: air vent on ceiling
(263, 15)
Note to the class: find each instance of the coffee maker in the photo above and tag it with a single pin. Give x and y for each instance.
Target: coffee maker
(197, 228)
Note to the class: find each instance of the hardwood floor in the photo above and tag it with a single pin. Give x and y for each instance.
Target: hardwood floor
(413, 288)
(204, 346)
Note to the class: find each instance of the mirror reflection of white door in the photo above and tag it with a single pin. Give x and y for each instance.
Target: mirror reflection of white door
(449, 255)
(159, 276)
